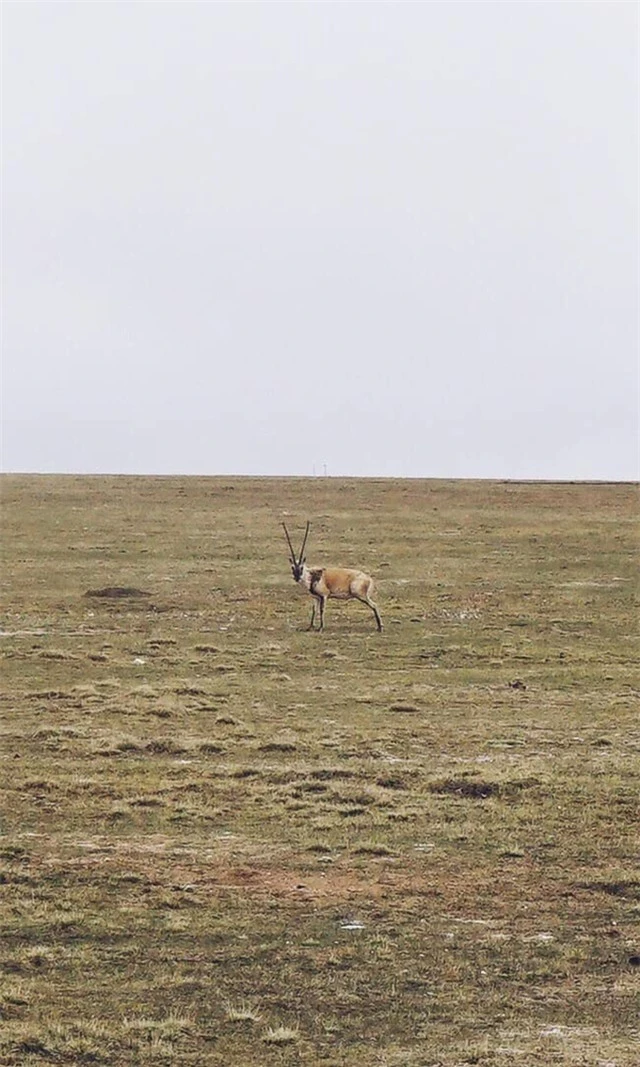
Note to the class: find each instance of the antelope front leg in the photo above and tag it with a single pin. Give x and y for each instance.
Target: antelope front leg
(313, 615)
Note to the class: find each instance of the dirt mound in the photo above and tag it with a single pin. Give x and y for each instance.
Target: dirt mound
(115, 592)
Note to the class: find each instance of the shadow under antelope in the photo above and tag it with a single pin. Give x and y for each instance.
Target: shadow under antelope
(325, 582)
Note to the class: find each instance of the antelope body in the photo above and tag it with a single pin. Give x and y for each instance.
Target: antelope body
(325, 582)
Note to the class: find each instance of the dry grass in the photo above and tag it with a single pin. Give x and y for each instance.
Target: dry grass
(416, 848)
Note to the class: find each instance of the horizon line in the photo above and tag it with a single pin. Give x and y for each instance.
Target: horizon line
(517, 480)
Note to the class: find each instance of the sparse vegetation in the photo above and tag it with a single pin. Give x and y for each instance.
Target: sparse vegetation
(409, 848)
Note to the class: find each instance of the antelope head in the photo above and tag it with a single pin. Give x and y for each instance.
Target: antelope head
(297, 563)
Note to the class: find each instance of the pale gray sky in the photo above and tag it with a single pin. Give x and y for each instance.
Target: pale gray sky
(273, 238)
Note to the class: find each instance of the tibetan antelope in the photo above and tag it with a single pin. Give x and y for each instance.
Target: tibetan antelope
(325, 582)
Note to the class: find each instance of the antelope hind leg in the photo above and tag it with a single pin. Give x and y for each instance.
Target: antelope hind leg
(374, 607)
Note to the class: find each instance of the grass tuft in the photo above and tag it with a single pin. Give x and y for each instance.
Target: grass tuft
(281, 1035)
(242, 1013)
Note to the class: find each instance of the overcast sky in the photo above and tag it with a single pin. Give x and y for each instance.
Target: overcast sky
(289, 238)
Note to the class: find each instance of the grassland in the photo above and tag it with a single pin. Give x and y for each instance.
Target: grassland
(227, 840)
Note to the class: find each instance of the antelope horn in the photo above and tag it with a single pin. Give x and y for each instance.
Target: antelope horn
(306, 534)
(293, 555)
